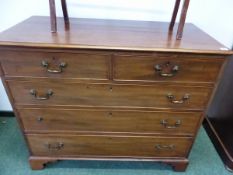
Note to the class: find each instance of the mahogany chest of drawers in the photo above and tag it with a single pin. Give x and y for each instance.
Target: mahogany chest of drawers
(109, 90)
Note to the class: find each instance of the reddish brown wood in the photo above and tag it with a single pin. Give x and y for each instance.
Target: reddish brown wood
(109, 95)
(174, 15)
(64, 10)
(94, 34)
(196, 68)
(175, 11)
(53, 16)
(107, 103)
(109, 121)
(77, 65)
(110, 146)
(182, 19)
(38, 163)
(180, 166)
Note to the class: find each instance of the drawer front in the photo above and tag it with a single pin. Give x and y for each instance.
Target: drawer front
(110, 146)
(108, 95)
(89, 120)
(55, 65)
(172, 68)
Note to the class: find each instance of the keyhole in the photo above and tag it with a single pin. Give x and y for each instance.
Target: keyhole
(39, 119)
(168, 63)
(111, 89)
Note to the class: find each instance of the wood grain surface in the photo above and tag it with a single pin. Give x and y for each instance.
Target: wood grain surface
(111, 146)
(109, 95)
(109, 121)
(110, 34)
(109, 89)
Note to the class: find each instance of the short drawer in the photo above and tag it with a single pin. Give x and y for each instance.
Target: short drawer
(167, 67)
(50, 93)
(110, 146)
(55, 64)
(127, 121)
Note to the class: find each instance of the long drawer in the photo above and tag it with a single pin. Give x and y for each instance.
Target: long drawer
(55, 64)
(167, 67)
(108, 95)
(90, 120)
(110, 146)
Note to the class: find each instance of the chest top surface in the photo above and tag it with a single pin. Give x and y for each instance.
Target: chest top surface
(110, 35)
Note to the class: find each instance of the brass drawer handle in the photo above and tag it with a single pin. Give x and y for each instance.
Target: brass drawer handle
(61, 66)
(55, 146)
(166, 125)
(45, 97)
(164, 147)
(167, 69)
(173, 100)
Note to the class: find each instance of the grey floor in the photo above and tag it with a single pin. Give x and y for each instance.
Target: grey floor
(13, 159)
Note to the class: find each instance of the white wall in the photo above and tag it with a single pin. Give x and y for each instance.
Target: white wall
(213, 16)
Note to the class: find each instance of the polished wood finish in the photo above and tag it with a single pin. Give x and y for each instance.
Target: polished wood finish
(39, 163)
(182, 19)
(109, 90)
(190, 68)
(173, 20)
(78, 65)
(109, 95)
(110, 146)
(174, 14)
(64, 10)
(109, 121)
(53, 16)
(179, 165)
(111, 35)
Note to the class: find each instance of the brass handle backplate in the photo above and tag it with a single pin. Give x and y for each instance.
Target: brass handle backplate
(60, 68)
(173, 100)
(167, 69)
(166, 125)
(55, 146)
(164, 147)
(44, 97)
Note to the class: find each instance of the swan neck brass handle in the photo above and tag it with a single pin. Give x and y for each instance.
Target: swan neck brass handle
(164, 147)
(55, 146)
(60, 68)
(173, 100)
(167, 69)
(166, 125)
(44, 97)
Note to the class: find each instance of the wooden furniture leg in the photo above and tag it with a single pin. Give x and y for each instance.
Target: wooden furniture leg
(65, 11)
(174, 15)
(180, 166)
(38, 163)
(182, 19)
(53, 17)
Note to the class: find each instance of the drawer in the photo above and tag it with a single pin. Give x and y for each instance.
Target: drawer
(55, 65)
(165, 67)
(91, 120)
(50, 93)
(110, 146)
